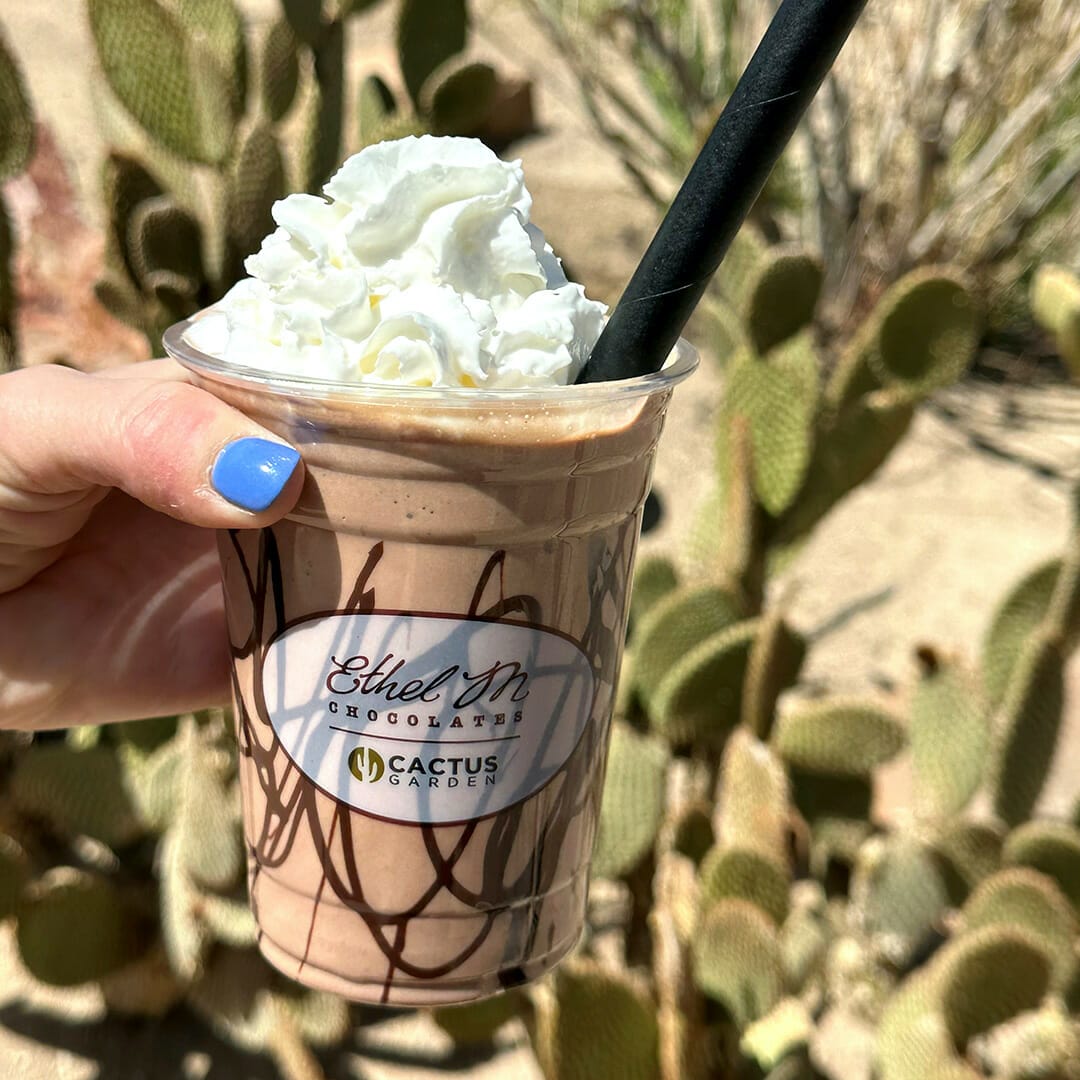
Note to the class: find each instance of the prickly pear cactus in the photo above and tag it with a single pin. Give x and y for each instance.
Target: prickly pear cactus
(1055, 303)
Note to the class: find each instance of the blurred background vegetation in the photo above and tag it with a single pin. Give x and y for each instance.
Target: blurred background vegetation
(810, 864)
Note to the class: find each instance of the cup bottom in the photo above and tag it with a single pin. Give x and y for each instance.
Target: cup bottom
(417, 994)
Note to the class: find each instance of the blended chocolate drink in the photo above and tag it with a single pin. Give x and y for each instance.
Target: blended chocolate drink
(425, 650)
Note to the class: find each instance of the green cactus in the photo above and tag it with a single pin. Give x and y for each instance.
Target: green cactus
(1055, 303)
(16, 118)
(278, 69)
(838, 737)
(753, 797)
(967, 852)
(633, 802)
(776, 658)
(949, 733)
(593, 1023)
(147, 58)
(737, 960)
(692, 832)
(913, 1042)
(76, 792)
(673, 625)
(476, 1023)
(783, 1031)
(375, 105)
(778, 396)
(1030, 901)
(324, 121)
(186, 935)
(228, 921)
(847, 452)
(429, 32)
(928, 330)
(898, 895)
(14, 872)
(74, 926)
(1029, 727)
(697, 701)
(164, 237)
(784, 296)
(654, 578)
(1052, 848)
(1015, 620)
(804, 937)
(256, 181)
(989, 976)
(746, 874)
(305, 19)
(457, 99)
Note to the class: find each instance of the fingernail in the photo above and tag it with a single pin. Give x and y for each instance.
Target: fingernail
(251, 473)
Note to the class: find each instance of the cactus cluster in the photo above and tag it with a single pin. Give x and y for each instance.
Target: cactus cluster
(776, 899)
(122, 864)
(216, 123)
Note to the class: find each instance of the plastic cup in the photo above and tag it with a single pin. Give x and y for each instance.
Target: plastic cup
(425, 653)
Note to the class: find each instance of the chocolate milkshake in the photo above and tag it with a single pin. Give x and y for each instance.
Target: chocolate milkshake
(425, 650)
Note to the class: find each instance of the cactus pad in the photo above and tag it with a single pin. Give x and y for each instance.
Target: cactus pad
(476, 1023)
(374, 105)
(838, 737)
(14, 870)
(163, 236)
(654, 578)
(913, 1042)
(737, 960)
(305, 17)
(1029, 728)
(16, 119)
(745, 874)
(803, 943)
(1051, 847)
(928, 330)
(125, 184)
(279, 69)
(1030, 901)
(753, 800)
(429, 32)
(78, 792)
(458, 98)
(74, 927)
(967, 851)
(146, 57)
(256, 182)
(633, 802)
(784, 1030)
(698, 700)
(899, 896)
(950, 741)
(326, 108)
(185, 934)
(988, 976)
(784, 295)
(1055, 303)
(1014, 622)
(595, 1023)
(677, 622)
(778, 396)
(776, 659)
(229, 921)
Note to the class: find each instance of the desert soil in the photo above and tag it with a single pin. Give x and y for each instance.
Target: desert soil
(919, 555)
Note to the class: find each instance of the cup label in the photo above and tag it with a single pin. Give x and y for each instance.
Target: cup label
(426, 719)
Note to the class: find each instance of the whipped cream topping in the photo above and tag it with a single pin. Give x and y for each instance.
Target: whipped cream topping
(420, 268)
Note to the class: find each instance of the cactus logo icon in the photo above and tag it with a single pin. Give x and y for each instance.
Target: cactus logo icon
(366, 765)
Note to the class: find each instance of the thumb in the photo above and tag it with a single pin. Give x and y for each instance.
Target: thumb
(147, 431)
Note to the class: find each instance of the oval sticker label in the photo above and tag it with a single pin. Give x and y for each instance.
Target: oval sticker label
(426, 719)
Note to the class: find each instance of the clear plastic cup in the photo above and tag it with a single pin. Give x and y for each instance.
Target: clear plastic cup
(425, 653)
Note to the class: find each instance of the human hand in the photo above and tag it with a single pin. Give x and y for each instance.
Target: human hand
(110, 485)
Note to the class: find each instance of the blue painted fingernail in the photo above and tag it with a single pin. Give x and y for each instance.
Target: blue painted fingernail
(251, 473)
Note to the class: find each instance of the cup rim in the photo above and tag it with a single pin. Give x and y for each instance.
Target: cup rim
(681, 363)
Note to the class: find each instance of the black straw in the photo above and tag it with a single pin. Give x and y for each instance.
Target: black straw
(759, 119)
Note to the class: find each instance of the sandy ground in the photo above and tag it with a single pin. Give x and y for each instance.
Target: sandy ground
(918, 555)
